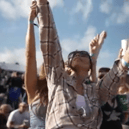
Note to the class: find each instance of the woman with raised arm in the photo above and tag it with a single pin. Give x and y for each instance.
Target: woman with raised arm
(74, 101)
(36, 87)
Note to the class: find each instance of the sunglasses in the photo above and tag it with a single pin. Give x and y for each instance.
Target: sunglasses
(81, 53)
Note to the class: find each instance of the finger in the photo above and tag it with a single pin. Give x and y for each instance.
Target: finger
(121, 50)
(33, 7)
(103, 34)
(34, 2)
(102, 37)
(94, 42)
(91, 45)
(96, 37)
(120, 53)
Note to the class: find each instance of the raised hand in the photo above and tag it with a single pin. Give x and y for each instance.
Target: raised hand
(33, 14)
(120, 53)
(96, 44)
(42, 1)
(126, 56)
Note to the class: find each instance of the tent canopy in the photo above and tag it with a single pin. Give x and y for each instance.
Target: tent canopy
(12, 67)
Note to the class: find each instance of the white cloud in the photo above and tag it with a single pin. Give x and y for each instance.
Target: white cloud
(117, 14)
(106, 59)
(14, 9)
(55, 3)
(78, 43)
(68, 45)
(18, 55)
(123, 15)
(83, 6)
(106, 7)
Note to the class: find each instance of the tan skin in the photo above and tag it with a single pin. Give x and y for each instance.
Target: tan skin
(31, 67)
(6, 109)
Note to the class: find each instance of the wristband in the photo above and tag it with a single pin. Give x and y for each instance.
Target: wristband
(31, 22)
(92, 54)
(124, 63)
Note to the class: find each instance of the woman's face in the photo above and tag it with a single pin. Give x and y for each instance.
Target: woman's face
(80, 61)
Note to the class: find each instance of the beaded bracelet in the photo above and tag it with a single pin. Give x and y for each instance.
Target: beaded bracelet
(31, 22)
(92, 54)
(124, 63)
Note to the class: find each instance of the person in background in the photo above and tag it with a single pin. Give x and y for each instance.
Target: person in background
(124, 89)
(2, 82)
(3, 121)
(3, 99)
(113, 114)
(112, 110)
(15, 86)
(102, 71)
(6, 109)
(35, 86)
(19, 118)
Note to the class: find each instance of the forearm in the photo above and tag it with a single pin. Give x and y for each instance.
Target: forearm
(15, 126)
(31, 68)
(108, 86)
(30, 42)
(49, 41)
(93, 73)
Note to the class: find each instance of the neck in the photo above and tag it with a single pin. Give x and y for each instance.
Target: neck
(81, 74)
(20, 111)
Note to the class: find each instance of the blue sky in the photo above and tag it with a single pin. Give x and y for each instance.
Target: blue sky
(77, 22)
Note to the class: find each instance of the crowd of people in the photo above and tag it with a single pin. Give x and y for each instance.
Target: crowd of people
(64, 95)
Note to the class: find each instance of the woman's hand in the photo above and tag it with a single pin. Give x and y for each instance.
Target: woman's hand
(96, 44)
(126, 56)
(120, 54)
(33, 14)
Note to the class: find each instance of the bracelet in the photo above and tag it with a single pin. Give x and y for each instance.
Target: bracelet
(124, 63)
(31, 22)
(92, 54)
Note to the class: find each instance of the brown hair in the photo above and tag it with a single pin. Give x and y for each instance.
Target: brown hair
(101, 70)
(42, 90)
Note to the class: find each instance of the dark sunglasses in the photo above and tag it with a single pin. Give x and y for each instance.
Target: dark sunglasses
(81, 53)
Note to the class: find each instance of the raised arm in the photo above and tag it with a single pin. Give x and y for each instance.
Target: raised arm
(49, 42)
(31, 69)
(94, 48)
(108, 86)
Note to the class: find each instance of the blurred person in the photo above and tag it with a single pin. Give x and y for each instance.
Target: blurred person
(113, 115)
(64, 110)
(124, 88)
(2, 82)
(102, 72)
(3, 121)
(15, 86)
(23, 91)
(35, 86)
(19, 118)
(3, 99)
(6, 109)
(112, 110)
